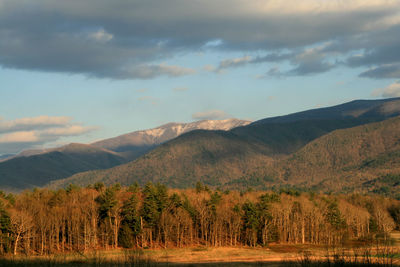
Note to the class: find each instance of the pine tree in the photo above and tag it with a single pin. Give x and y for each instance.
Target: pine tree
(107, 201)
(130, 226)
(250, 222)
(5, 229)
(334, 216)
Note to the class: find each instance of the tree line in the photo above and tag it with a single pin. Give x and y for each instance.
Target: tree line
(43, 221)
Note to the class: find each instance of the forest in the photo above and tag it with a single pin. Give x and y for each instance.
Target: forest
(43, 222)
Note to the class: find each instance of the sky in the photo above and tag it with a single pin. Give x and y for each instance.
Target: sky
(85, 70)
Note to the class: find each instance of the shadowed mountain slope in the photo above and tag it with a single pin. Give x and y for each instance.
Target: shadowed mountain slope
(287, 134)
(354, 109)
(214, 157)
(37, 170)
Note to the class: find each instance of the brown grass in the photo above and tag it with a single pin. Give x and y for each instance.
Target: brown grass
(275, 254)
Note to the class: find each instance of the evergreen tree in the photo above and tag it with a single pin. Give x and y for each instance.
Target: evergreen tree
(107, 201)
(150, 211)
(199, 187)
(215, 199)
(154, 202)
(334, 216)
(5, 229)
(130, 226)
(394, 211)
(250, 222)
(99, 186)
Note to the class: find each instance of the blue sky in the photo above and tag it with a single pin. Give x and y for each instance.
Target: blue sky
(70, 72)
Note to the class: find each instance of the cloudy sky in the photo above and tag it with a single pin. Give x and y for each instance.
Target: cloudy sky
(83, 70)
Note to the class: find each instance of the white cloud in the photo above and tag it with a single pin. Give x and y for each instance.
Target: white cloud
(214, 43)
(318, 6)
(210, 115)
(392, 90)
(101, 36)
(19, 137)
(69, 130)
(26, 133)
(32, 123)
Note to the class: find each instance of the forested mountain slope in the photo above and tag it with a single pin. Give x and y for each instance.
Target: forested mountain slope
(214, 157)
(37, 170)
(364, 158)
(347, 159)
(287, 134)
(33, 168)
(240, 157)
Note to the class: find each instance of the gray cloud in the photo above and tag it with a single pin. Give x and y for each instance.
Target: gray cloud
(275, 71)
(210, 115)
(306, 61)
(310, 61)
(127, 39)
(242, 61)
(383, 72)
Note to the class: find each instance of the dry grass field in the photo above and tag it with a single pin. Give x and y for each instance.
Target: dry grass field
(274, 255)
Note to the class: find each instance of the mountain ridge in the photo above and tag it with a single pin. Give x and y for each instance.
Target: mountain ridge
(264, 166)
(38, 167)
(337, 162)
(135, 144)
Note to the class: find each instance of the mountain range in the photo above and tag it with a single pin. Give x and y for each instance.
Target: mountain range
(326, 149)
(35, 168)
(333, 148)
(135, 144)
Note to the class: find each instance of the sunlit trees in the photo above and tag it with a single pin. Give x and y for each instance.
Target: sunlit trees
(21, 223)
(99, 217)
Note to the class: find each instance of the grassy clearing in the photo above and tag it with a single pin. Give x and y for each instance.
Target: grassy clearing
(275, 255)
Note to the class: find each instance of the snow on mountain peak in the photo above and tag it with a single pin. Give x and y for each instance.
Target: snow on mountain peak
(166, 132)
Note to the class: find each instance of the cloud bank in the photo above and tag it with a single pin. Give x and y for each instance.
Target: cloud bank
(26, 133)
(128, 39)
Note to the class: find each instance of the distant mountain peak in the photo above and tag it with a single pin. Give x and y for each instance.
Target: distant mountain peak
(165, 132)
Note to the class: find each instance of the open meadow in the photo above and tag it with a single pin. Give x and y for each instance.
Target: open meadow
(273, 255)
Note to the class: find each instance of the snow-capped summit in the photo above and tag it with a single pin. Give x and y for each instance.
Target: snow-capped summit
(153, 137)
